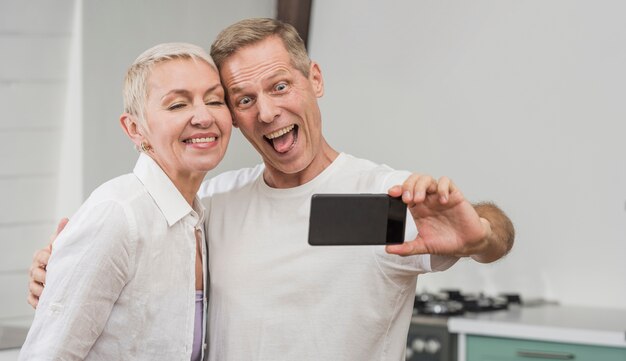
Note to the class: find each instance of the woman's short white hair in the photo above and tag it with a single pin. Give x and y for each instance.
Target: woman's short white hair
(135, 82)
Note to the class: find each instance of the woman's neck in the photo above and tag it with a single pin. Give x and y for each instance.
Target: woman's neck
(188, 186)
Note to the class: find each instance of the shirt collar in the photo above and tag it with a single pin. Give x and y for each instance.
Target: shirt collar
(164, 193)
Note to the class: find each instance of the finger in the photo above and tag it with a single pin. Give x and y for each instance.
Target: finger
(395, 191)
(35, 289)
(454, 193)
(60, 227)
(453, 188)
(38, 275)
(408, 188)
(424, 185)
(41, 258)
(32, 300)
(407, 248)
(443, 189)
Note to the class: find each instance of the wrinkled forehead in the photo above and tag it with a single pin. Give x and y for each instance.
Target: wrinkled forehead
(254, 60)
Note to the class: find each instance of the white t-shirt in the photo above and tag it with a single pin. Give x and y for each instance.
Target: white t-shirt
(275, 297)
(121, 280)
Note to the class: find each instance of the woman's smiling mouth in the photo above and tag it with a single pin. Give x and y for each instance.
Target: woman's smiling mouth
(199, 140)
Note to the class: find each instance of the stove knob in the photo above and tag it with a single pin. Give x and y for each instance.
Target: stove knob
(418, 345)
(409, 354)
(432, 346)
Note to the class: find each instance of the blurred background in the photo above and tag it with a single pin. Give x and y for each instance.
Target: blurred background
(520, 102)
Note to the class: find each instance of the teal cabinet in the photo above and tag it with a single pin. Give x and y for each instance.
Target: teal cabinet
(484, 348)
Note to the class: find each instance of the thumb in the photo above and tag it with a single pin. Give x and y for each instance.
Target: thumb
(60, 227)
(395, 191)
(407, 248)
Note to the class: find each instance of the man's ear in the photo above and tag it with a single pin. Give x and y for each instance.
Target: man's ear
(131, 128)
(316, 79)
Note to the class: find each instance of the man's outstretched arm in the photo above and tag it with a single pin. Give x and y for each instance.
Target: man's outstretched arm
(500, 240)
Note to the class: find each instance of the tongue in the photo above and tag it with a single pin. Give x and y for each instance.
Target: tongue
(283, 143)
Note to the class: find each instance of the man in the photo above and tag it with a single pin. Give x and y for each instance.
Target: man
(274, 297)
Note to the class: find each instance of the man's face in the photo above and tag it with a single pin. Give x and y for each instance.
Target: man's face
(275, 106)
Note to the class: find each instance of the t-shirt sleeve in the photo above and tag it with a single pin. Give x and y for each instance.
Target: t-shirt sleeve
(89, 266)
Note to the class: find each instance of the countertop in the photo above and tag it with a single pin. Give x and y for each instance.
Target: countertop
(9, 355)
(12, 334)
(568, 324)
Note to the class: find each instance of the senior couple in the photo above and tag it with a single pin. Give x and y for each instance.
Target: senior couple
(159, 265)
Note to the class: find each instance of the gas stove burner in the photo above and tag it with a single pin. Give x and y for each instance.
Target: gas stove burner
(436, 305)
(512, 298)
(482, 303)
(453, 295)
(454, 302)
(422, 299)
(444, 308)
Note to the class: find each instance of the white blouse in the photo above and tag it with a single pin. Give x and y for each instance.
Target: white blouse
(121, 280)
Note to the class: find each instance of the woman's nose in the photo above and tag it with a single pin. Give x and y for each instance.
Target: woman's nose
(202, 116)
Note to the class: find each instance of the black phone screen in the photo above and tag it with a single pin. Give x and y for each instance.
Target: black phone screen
(356, 219)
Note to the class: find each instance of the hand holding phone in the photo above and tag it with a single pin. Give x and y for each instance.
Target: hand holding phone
(356, 219)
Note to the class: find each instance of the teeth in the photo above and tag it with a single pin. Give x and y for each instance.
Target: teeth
(280, 132)
(200, 140)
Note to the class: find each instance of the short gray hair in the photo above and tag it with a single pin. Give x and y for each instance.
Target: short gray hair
(135, 82)
(251, 31)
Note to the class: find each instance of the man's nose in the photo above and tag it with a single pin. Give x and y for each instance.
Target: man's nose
(268, 109)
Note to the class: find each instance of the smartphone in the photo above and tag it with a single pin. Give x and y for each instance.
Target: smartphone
(356, 219)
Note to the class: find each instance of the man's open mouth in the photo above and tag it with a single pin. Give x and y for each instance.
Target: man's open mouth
(284, 139)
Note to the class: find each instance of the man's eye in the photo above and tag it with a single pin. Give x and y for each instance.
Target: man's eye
(280, 87)
(245, 101)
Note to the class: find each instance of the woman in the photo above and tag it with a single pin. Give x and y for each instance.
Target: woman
(126, 279)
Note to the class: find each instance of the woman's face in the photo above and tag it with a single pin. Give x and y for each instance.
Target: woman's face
(188, 124)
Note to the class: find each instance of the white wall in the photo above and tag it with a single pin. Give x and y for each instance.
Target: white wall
(520, 102)
(115, 33)
(61, 75)
(34, 43)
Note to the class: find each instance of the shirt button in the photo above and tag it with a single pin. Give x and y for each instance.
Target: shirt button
(204, 346)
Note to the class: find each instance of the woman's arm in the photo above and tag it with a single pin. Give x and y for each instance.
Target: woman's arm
(90, 265)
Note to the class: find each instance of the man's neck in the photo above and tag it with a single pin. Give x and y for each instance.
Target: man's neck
(277, 179)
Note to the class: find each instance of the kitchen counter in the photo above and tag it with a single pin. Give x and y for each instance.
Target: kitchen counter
(12, 334)
(9, 355)
(567, 324)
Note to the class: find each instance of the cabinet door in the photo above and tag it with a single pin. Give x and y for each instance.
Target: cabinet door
(9, 355)
(481, 348)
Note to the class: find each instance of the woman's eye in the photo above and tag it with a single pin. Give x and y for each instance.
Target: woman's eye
(176, 106)
(215, 102)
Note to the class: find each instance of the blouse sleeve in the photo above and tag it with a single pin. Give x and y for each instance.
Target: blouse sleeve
(89, 266)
